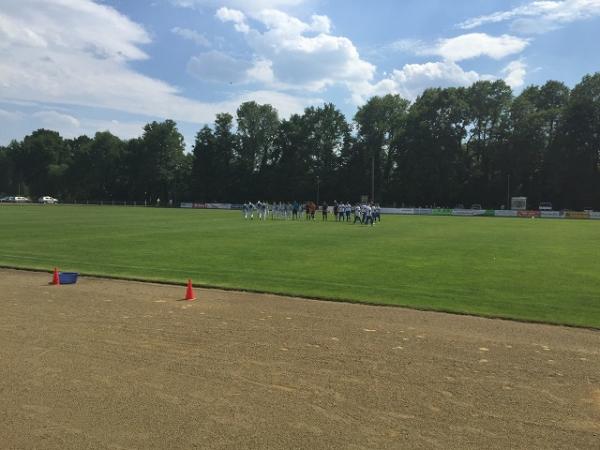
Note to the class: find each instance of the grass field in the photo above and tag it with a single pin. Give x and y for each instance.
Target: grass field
(540, 270)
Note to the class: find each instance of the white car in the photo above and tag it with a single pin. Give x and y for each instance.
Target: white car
(19, 199)
(47, 200)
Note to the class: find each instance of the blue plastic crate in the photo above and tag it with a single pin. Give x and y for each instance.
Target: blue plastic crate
(68, 277)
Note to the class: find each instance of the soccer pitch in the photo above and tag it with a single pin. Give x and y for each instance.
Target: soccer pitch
(538, 270)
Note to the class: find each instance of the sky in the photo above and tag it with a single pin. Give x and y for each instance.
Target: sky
(81, 66)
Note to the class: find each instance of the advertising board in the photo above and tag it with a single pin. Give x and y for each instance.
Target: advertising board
(577, 215)
(423, 211)
(441, 212)
(405, 211)
(505, 213)
(528, 214)
(551, 214)
(468, 212)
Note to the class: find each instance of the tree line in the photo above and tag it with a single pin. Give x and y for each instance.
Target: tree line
(466, 145)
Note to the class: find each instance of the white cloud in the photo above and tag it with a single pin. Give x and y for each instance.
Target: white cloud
(79, 78)
(192, 35)
(74, 26)
(514, 74)
(474, 45)
(412, 79)
(262, 72)
(320, 24)
(466, 46)
(233, 15)
(68, 52)
(301, 55)
(539, 16)
(78, 54)
(282, 23)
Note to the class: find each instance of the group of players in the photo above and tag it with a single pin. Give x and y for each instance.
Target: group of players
(366, 213)
(264, 210)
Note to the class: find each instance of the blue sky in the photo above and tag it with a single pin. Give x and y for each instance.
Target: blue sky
(79, 66)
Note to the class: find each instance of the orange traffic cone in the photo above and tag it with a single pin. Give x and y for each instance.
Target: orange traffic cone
(189, 293)
(56, 278)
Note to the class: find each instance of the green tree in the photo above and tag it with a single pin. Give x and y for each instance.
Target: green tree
(42, 159)
(255, 152)
(487, 143)
(327, 134)
(158, 156)
(257, 129)
(455, 145)
(76, 185)
(576, 152)
(294, 177)
(204, 165)
(97, 167)
(535, 115)
(182, 187)
(225, 144)
(379, 123)
(7, 171)
(431, 162)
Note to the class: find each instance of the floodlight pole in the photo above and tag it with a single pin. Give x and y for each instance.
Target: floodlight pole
(318, 181)
(373, 178)
(508, 206)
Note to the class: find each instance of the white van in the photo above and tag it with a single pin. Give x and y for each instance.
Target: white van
(47, 200)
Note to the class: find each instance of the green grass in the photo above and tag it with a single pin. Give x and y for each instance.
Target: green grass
(539, 270)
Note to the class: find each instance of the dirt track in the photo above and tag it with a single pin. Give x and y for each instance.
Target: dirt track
(113, 364)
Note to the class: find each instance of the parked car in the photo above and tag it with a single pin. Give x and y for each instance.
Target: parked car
(476, 206)
(47, 200)
(19, 199)
(545, 206)
(5, 199)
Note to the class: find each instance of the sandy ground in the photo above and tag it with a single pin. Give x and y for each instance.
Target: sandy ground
(114, 364)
